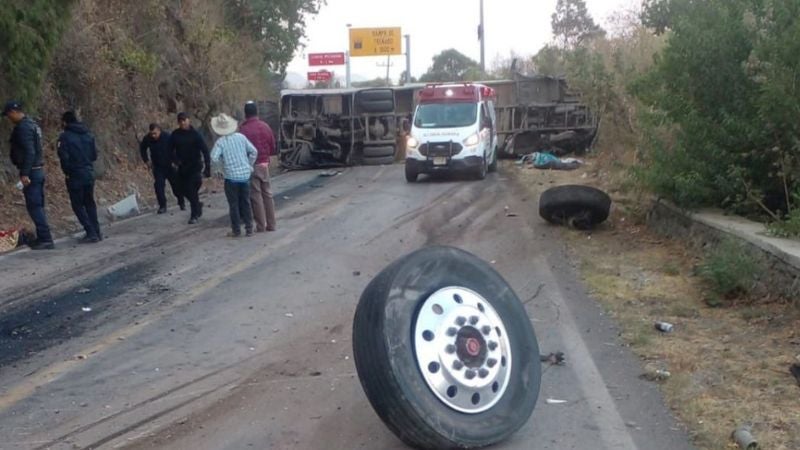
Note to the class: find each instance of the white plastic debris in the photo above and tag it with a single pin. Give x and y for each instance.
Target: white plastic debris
(86, 309)
(555, 401)
(124, 208)
(289, 315)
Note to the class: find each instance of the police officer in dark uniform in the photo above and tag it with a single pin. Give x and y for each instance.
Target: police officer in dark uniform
(26, 155)
(77, 152)
(156, 153)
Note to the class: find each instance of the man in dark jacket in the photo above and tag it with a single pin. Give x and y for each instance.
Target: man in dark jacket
(26, 155)
(77, 152)
(190, 153)
(159, 159)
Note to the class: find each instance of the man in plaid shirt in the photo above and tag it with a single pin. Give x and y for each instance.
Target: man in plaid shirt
(237, 156)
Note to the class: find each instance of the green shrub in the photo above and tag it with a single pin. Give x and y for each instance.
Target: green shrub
(730, 270)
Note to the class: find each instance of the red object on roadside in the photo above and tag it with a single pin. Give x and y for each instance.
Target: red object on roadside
(321, 75)
(326, 59)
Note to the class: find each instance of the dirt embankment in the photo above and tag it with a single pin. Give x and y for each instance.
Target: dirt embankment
(123, 65)
(728, 365)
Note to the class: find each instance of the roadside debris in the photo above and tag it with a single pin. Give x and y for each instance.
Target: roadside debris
(555, 401)
(83, 291)
(289, 315)
(124, 208)
(508, 212)
(547, 161)
(580, 207)
(652, 374)
(330, 173)
(744, 438)
(81, 357)
(356, 273)
(664, 327)
(86, 309)
(795, 370)
(555, 359)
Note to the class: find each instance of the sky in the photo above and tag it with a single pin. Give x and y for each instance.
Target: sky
(521, 26)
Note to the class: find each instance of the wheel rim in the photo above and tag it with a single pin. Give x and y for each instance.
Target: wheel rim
(462, 349)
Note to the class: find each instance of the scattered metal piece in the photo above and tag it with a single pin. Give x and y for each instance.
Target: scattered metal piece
(555, 359)
(664, 327)
(555, 401)
(84, 291)
(289, 315)
(86, 309)
(744, 438)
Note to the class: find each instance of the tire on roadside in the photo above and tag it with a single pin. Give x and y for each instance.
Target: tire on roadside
(581, 207)
(379, 151)
(377, 160)
(387, 338)
(493, 164)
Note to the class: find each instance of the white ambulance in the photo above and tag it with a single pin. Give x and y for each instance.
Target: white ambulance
(454, 129)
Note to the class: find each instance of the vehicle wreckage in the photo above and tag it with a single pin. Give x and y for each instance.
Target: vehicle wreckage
(340, 127)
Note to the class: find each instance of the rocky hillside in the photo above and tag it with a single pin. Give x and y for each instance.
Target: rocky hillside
(124, 64)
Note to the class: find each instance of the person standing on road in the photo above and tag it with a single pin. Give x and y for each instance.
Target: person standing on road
(189, 152)
(262, 138)
(237, 156)
(27, 156)
(77, 153)
(159, 160)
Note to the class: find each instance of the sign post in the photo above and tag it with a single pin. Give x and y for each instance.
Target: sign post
(326, 59)
(320, 75)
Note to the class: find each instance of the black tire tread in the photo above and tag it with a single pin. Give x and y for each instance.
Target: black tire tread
(378, 160)
(373, 151)
(559, 203)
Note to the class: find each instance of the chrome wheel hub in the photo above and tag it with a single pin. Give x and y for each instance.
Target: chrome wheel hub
(462, 349)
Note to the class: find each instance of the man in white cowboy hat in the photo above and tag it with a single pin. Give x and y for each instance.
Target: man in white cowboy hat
(237, 156)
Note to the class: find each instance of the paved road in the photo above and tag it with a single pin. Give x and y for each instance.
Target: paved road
(170, 336)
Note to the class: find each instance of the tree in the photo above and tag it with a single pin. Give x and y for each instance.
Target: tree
(452, 65)
(572, 24)
(278, 25)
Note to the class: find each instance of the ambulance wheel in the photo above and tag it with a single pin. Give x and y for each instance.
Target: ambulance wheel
(445, 351)
(411, 174)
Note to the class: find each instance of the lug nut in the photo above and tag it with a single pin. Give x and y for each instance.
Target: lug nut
(492, 345)
(483, 373)
(450, 348)
(491, 362)
(473, 320)
(470, 374)
(458, 365)
(486, 329)
(460, 321)
(452, 332)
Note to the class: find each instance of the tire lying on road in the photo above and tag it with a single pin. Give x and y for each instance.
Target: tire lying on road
(445, 351)
(373, 151)
(581, 207)
(377, 160)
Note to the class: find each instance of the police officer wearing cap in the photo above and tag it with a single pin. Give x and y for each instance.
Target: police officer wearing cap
(27, 156)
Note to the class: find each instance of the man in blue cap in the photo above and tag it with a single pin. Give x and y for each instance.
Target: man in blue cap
(27, 156)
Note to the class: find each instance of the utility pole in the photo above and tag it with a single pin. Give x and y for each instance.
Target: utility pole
(347, 59)
(408, 58)
(482, 37)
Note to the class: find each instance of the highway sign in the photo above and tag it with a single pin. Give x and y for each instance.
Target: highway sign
(375, 41)
(320, 75)
(326, 59)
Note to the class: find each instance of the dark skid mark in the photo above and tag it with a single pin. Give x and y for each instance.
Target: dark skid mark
(48, 321)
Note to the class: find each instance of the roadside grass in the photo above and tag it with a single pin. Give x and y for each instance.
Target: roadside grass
(729, 366)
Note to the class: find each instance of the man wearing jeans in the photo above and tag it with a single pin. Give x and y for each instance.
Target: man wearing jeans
(77, 153)
(237, 155)
(261, 136)
(26, 155)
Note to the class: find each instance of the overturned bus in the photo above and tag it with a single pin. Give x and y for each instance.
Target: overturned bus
(330, 127)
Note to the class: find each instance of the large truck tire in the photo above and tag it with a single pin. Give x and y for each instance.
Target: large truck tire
(378, 160)
(379, 151)
(445, 351)
(376, 106)
(374, 94)
(581, 207)
(480, 171)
